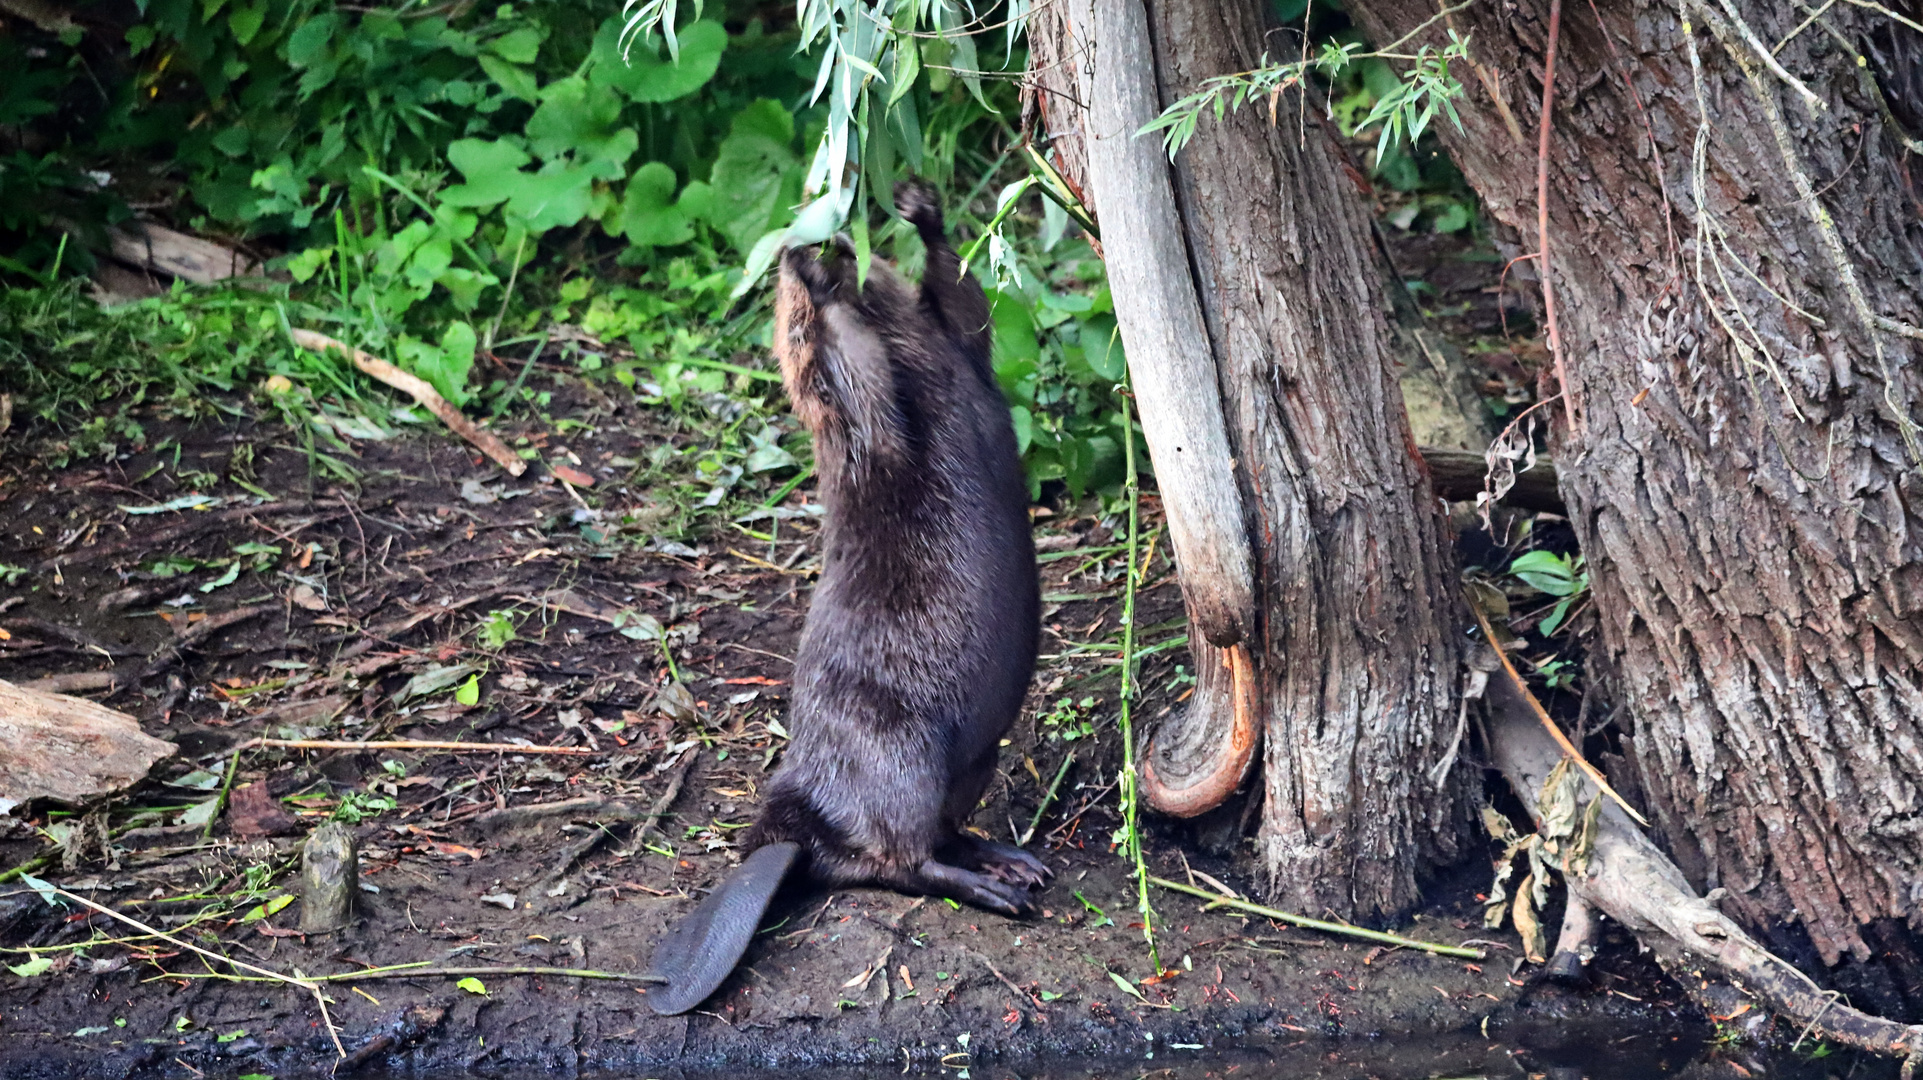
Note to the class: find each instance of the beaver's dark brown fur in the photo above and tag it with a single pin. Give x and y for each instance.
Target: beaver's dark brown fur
(922, 633)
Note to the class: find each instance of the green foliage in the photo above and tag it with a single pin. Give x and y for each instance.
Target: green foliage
(1070, 719)
(497, 629)
(447, 180)
(357, 806)
(1557, 575)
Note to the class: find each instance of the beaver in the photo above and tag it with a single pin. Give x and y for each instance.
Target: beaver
(921, 637)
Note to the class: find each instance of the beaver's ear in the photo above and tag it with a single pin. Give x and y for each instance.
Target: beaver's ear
(702, 950)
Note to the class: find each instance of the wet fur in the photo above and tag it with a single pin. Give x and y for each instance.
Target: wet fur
(921, 637)
(922, 634)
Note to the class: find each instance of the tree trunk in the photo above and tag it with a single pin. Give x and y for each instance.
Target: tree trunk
(1353, 640)
(1738, 282)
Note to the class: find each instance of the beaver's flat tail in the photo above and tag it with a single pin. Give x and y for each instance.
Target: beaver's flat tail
(697, 956)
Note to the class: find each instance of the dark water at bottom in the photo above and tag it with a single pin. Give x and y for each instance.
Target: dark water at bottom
(1587, 1054)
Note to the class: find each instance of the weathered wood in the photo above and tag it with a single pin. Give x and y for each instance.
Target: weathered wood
(1352, 641)
(66, 748)
(418, 388)
(190, 258)
(1741, 483)
(1359, 663)
(1170, 365)
(1197, 759)
(330, 879)
(1630, 880)
(1457, 476)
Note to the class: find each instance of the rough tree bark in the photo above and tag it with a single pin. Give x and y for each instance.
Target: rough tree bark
(1739, 283)
(1353, 641)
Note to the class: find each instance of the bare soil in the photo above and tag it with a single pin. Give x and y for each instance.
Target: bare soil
(516, 859)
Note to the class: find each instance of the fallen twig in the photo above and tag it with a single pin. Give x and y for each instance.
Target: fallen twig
(1634, 883)
(149, 539)
(197, 632)
(485, 441)
(666, 802)
(1218, 900)
(1020, 994)
(407, 744)
(1568, 748)
(425, 969)
(266, 974)
(1047, 798)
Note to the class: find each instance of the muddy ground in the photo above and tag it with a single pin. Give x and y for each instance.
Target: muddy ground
(301, 605)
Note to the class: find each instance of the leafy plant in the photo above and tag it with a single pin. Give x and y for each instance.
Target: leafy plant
(497, 629)
(357, 806)
(1557, 575)
(1070, 719)
(1403, 112)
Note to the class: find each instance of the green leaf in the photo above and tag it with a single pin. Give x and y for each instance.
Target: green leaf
(1554, 620)
(517, 46)
(560, 194)
(1024, 428)
(517, 81)
(907, 66)
(246, 22)
(760, 258)
(649, 215)
(270, 907)
(756, 174)
(579, 117)
(307, 45)
(224, 580)
(432, 680)
(1122, 981)
(465, 286)
(200, 813)
(1550, 573)
(470, 691)
(472, 985)
(36, 966)
(767, 118)
(445, 366)
(492, 170)
(1102, 348)
(645, 75)
(306, 264)
(1452, 218)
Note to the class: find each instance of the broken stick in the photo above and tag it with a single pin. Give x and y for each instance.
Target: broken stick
(485, 441)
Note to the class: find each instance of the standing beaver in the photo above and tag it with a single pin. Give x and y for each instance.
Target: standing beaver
(922, 635)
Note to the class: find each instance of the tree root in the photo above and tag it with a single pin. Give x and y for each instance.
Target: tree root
(1192, 766)
(1633, 882)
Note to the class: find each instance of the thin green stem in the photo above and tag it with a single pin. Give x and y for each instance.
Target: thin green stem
(220, 804)
(1130, 787)
(1035, 822)
(31, 866)
(1219, 900)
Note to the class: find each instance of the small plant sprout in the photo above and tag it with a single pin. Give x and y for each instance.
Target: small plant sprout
(1557, 575)
(497, 629)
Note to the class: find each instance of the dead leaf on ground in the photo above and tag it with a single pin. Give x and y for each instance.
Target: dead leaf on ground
(253, 813)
